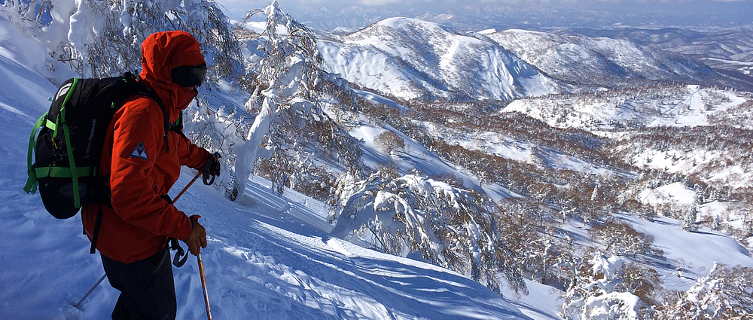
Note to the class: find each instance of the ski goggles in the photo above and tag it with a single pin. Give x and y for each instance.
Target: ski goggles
(189, 76)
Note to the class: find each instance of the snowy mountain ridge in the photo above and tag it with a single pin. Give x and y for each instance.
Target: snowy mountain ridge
(414, 59)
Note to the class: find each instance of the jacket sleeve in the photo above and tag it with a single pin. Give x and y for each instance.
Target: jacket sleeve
(192, 155)
(137, 140)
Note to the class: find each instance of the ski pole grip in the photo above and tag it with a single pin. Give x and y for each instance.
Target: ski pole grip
(211, 168)
(208, 179)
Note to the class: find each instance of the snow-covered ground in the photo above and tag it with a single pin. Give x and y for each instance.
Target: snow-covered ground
(688, 106)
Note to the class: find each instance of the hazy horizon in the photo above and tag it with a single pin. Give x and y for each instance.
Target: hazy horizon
(502, 14)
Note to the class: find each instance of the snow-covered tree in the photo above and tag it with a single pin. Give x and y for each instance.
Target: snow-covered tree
(450, 227)
(548, 260)
(600, 290)
(103, 38)
(689, 222)
(716, 224)
(390, 141)
(621, 238)
(724, 293)
(290, 128)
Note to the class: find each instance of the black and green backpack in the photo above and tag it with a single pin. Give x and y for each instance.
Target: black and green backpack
(68, 147)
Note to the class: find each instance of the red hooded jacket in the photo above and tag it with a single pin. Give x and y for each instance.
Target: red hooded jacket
(138, 162)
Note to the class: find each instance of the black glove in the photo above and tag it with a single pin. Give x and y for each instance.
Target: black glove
(211, 168)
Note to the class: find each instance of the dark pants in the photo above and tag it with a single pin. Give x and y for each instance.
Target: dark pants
(147, 289)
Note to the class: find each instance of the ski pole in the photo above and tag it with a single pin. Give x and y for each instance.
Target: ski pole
(78, 305)
(204, 286)
(186, 187)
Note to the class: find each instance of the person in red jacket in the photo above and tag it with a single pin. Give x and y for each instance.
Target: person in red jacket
(142, 165)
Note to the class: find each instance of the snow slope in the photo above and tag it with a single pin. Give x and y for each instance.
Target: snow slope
(262, 262)
(671, 106)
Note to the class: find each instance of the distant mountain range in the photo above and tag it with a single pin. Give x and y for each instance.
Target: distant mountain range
(727, 50)
(604, 62)
(415, 59)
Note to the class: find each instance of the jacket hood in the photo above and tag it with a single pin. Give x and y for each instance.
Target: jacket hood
(161, 52)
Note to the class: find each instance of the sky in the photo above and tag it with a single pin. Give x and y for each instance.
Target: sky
(501, 14)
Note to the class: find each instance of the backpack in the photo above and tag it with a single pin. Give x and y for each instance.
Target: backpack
(68, 147)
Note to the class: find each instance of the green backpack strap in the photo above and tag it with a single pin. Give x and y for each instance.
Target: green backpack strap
(31, 182)
(71, 161)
